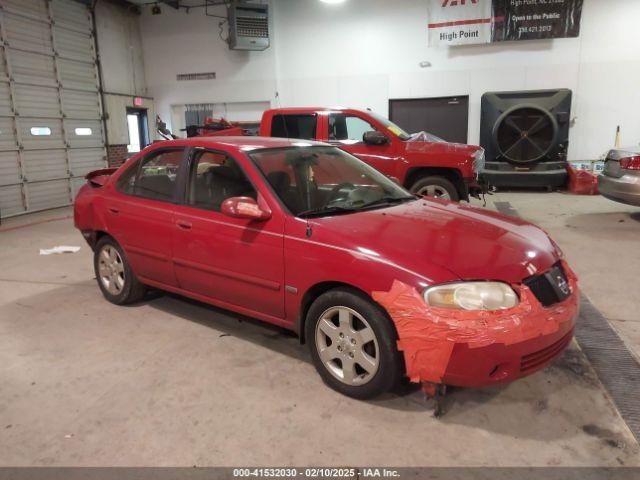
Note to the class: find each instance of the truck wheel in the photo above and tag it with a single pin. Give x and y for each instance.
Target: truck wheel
(353, 344)
(437, 187)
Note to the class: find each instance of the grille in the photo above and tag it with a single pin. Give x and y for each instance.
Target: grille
(252, 27)
(535, 359)
(544, 288)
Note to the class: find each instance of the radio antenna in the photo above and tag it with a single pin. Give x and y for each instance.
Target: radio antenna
(284, 120)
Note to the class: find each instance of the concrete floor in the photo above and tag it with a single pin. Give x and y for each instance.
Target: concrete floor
(173, 382)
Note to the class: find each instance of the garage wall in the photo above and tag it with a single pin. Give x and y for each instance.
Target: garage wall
(50, 129)
(363, 52)
(123, 73)
(120, 46)
(177, 42)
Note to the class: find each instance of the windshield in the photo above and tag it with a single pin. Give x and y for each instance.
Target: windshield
(392, 127)
(322, 181)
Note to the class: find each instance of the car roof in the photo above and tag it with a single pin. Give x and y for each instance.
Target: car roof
(242, 143)
(314, 109)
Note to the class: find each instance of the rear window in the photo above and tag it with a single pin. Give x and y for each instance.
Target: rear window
(153, 177)
(301, 126)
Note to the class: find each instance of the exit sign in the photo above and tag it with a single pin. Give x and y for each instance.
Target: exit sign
(138, 101)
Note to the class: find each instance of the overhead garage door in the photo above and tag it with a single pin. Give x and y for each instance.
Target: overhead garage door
(50, 112)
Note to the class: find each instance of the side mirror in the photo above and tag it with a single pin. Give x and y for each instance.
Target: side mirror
(244, 207)
(374, 138)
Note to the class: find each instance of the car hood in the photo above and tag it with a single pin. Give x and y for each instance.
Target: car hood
(471, 243)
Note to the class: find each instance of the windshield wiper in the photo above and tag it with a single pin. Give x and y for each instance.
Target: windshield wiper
(386, 200)
(313, 212)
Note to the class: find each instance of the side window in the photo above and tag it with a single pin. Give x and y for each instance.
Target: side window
(154, 177)
(214, 177)
(348, 127)
(294, 126)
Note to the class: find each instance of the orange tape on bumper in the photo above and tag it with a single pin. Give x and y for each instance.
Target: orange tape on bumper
(427, 335)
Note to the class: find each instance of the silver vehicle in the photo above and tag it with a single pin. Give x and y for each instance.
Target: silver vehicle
(620, 179)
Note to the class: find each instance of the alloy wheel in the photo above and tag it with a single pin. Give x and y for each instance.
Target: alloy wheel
(111, 270)
(347, 346)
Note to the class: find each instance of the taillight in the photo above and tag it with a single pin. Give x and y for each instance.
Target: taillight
(630, 163)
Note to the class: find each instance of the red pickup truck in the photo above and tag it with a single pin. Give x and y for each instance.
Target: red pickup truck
(421, 162)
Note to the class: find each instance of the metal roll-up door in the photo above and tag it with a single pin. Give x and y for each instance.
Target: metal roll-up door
(50, 112)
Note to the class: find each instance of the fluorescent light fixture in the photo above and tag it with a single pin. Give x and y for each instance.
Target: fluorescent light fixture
(332, 1)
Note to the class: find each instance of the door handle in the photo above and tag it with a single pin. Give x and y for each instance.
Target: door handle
(184, 225)
(114, 210)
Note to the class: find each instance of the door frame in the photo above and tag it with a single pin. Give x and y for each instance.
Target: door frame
(143, 126)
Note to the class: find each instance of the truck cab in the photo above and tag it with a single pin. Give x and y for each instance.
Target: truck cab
(422, 163)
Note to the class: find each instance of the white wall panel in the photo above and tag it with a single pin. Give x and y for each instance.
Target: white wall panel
(3, 66)
(35, 101)
(78, 104)
(74, 45)
(76, 184)
(94, 139)
(118, 35)
(85, 160)
(33, 68)
(30, 8)
(43, 195)
(5, 100)
(77, 75)
(11, 200)
(28, 34)
(31, 141)
(7, 134)
(45, 164)
(72, 15)
(9, 168)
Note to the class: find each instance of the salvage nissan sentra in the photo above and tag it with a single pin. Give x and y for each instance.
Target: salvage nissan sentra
(378, 283)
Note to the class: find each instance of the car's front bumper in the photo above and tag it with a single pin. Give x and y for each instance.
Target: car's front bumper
(625, 189)
(500, 363)
(475, 349)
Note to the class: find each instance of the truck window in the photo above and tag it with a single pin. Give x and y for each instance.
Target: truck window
(348, 127)
(301, 126)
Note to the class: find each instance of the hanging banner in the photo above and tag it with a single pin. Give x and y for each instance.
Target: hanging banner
(459, 22)
(465, 22)
(536, 19)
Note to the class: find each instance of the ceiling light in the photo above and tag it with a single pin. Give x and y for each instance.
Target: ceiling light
(332, 1)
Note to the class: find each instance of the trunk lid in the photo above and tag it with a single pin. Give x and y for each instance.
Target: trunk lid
(612, 161)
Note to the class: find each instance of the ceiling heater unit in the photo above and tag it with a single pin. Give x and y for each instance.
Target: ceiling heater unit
(248, 26)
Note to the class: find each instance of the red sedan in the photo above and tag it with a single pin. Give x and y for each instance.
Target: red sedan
(303, 235)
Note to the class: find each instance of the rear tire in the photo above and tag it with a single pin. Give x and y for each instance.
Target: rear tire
(353, 344)
(437, 187)
(115, 278)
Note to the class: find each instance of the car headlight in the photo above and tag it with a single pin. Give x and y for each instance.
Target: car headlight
(471, 296)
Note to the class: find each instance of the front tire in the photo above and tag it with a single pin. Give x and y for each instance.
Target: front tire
(437, 187)
(353, 344)
(114, 275)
